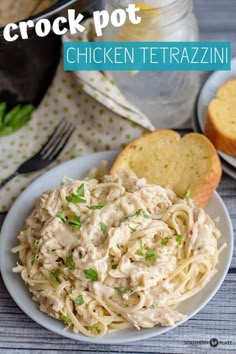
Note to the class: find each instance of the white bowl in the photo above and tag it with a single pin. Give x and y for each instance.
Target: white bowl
(79, 168)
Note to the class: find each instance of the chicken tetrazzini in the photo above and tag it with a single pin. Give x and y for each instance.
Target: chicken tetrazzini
(114, 252)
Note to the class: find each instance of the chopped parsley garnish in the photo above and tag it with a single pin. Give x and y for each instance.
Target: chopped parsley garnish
(187, 194)
(97, 329)
(150, 256)
(91, 274)
(114, 266)
(80, 191)
(97, 207)
(103, 228)
(75, 223)
(36, 257)
(132, 229)
(79, 300)
(123, 291)
(74, 198)
(36, 244)
(54, 276)
(64, 318)
(178, 239)
(140, 249)
(69, 263)
(61, 215)
(165, 240)
(154, 305)
(139, 212)
(77, 197)
(120, 246)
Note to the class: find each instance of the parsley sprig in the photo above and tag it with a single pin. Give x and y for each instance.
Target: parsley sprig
(78, 197)
(150, 256)
(103, 228)
(139, 212)
(140, 250)
(97, 329)
(123, 291)
(75, 223)
(79, 300)
(91, 274)
(178, 239)
(164, 241)
(14, 119)
(69, 263)
(36, 244)
(54, 276)
(64, 318)
(61, 215)
(97, 207)
(132, 229)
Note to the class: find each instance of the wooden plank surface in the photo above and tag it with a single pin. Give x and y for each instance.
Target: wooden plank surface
(20, 335)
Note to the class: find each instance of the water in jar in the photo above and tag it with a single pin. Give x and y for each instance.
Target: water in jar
(167, 98)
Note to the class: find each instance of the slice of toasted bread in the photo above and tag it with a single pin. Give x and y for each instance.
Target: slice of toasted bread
(188, 165)
(220, 126)
(227, 91)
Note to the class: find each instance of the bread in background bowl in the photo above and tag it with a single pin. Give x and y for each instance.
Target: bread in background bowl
(220, 126)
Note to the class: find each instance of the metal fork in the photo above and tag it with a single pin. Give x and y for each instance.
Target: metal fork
(47, 154)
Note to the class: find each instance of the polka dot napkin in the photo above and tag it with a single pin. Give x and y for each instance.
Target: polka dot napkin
(104, 121)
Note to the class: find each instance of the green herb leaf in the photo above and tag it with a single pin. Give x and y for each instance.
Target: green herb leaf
(64, 318)
(69, 263)
(187, 194)
(74, 198)
(54, 276)
(120, 246)
(36, 257)
(79, 300)
(123, 291)
(3, 107)
(80, 191)
(77, 197)
(36, 244)
(103, 228)
(179, 239)
(132, 229)
(14, 119)
(165, 240)
(97, 329)
(61, 215)
(139, 212)
(22, 116)
(11, 115)
(114, 266)
(154, 305)
(150, 256)
(140, 250)
(75, 223)
(97, 207)
(91, 274)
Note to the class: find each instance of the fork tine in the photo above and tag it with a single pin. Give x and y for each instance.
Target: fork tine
(56, 140)
(61, 144)
(52, 137)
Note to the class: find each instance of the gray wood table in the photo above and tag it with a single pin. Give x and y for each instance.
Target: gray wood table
(19, 334)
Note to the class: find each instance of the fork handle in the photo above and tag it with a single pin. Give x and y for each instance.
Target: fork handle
(6, 180)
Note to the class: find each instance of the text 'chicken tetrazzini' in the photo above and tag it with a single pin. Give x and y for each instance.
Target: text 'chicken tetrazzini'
(106, 254)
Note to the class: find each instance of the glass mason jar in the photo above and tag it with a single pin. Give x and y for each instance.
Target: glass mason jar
(166, 97)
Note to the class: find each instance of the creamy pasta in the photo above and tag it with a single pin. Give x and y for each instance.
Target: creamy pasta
(104, 254)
